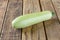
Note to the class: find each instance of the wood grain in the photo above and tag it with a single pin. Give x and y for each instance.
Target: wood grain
(56, 4)
(34, 32)
(3, 5)
(14, 9)
(52, 26)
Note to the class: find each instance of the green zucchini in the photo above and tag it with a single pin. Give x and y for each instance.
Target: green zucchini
(31, 19)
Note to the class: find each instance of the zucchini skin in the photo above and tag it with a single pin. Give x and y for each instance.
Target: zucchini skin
(31, 19)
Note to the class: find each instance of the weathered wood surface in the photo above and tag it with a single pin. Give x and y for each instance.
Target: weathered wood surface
(48, 30)
(14, 9)
(34, 32)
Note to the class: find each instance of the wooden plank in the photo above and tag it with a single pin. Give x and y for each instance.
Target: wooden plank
(56, 4)
(14, 9)
(52, 26)
(34, 32)
(3, 5)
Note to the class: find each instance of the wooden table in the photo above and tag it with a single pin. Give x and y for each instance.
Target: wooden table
(48, 30)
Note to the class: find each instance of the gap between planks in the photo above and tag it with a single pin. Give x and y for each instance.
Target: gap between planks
(43, 22)
(3, 7)
(4, 17)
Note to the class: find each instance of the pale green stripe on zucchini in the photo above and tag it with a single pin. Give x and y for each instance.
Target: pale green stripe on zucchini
(31, 19)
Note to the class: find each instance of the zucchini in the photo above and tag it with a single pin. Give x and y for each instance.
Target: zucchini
(31, 19)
